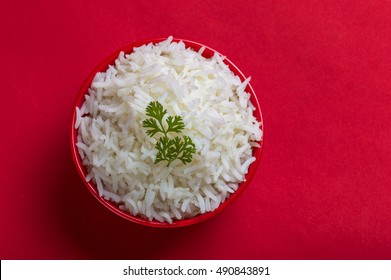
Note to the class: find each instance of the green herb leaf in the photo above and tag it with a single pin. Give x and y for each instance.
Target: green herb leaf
(155, 110)
(168, 149)
(175, 124)
(188, 150)
(163, 148)
(152, 125)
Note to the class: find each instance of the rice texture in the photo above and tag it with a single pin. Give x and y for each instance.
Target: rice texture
(119, 156)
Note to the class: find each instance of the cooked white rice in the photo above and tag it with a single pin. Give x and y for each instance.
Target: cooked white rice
(119, 155)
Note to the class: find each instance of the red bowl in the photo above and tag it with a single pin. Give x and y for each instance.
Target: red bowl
(102, 67)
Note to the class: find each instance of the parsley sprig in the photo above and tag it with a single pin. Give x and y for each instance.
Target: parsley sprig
(169, 149)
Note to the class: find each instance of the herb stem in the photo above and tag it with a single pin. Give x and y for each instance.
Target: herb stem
(162, 126)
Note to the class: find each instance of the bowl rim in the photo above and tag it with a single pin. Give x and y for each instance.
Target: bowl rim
(113, 207)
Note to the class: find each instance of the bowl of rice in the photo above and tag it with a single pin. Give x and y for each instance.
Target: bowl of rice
(166, 132)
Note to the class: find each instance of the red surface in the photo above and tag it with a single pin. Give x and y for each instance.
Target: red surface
(110, 60)
(321, 71)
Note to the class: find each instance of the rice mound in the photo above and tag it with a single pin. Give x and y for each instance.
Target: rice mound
(119, 156)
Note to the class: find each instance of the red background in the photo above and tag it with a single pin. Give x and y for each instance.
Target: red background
(321, 72)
